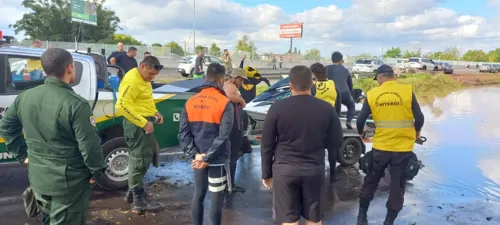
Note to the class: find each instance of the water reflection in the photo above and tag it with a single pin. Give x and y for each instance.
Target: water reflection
(463, 162)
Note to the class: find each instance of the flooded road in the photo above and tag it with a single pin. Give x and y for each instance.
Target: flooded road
(460, 183)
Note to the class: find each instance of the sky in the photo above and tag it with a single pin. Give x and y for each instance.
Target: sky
(350, 26)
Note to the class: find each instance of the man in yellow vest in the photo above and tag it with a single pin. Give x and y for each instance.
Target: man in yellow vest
(398, 120)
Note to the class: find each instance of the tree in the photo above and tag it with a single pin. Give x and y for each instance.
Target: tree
(156, 45)
(123, 38)
(409, 54)
(175, 48)
(295, 50)
(393, 53)
(313, 54)
(214, 49)
(245, 45)
(475, 56)
(300, 52)
(451, 53)
(200, 48)
(494, 55)
(51, 20)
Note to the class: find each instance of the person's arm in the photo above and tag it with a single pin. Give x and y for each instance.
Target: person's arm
(349, 80)
(113, 61)
(225, 128)
(334, 136)
(113, 54)
(417, 113)
(363, 116)
(186, 139)
(268, 143)
(11, 130)
(89, 142)
(266, 81)
(338, 101)
(125, 104)
(242, 63)
(232, 94)
(226, 59)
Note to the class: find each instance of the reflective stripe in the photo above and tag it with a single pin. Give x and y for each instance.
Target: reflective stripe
(217, 180)
(217, 189)
(395, 124)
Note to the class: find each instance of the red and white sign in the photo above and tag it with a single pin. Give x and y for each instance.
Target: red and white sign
(291, 30)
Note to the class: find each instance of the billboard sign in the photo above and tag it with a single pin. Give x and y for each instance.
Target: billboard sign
(291, 30)
(83, 11)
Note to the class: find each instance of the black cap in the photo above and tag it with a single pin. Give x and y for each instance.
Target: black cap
(383, 69)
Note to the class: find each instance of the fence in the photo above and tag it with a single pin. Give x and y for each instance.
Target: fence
(166, 54)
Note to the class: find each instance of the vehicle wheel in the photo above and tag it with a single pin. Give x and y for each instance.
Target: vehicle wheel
(116, 154)
(435, 69)
(424, 68)
(191, 73)
(184, 75)
(350, 152)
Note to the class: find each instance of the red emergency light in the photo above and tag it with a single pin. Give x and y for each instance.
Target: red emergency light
(1, 34)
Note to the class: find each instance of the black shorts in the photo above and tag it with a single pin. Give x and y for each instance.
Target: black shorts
(296, 196)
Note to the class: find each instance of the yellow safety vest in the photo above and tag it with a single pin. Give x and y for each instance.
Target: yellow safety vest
(391, 110)
(325, 90)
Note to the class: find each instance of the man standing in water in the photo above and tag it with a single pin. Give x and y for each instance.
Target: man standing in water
(293, 150)
(398, 120)
(136, 104)
(342, 78)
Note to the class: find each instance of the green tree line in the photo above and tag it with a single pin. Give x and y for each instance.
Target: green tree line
(450, 53)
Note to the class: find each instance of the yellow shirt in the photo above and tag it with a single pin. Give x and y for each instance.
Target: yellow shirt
(34, 64)
(135, 98)
(325, 90)
(390, 105)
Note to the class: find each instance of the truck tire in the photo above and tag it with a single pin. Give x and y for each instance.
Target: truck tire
(191, 74)
(350, 152)
(424, 68)
(116, 154)
(184, 75)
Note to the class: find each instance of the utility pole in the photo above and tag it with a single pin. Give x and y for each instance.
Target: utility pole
(385, 23)
(194, 27)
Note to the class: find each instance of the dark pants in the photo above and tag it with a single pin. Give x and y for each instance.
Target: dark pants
(236, 139)
(332, 159)
(142, 147)
(349, 103)
(213, 179)
(70, 209)
(381, 160)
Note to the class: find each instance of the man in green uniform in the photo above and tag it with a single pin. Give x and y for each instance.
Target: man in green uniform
(65, 156)
(135, 102)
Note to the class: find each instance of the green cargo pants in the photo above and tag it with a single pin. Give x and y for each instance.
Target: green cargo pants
(141, 153)
(70, 209)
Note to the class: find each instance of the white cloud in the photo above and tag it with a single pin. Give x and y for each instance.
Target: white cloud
(359, 28)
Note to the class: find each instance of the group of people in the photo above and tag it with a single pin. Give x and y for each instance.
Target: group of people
(65, 157)
(125, 59)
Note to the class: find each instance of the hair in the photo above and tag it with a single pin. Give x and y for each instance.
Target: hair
(225, 50)
(132, 49)
(55, 61)
(337, 57)
(147, 53)
(319, 71)
(301, 78)
(151, 60)
(215, 70)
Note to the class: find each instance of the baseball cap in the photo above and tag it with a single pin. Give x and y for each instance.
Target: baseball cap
(383, 69)
(238, 72)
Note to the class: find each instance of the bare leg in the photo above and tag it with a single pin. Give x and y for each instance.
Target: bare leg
(314, 223)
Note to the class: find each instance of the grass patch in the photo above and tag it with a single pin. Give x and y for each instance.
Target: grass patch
(423, 84)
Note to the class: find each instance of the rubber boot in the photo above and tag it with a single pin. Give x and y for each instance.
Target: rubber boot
(362, 216)
(141, 205)
(390, 217)
(129, 197)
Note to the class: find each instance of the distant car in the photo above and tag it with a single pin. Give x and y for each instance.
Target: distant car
(402, 63)
(186, 65)
(366, 65)
(445, 67)
(496, 68)
(486, 68)
(422, 63)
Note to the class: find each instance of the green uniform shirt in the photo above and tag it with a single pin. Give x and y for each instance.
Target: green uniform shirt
(64, 146)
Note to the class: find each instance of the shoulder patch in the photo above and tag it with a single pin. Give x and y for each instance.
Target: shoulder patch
(92, 121)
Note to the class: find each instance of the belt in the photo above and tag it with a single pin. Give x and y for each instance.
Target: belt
(152, 119)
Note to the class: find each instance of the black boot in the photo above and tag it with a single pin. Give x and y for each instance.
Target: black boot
(141, 205)
(390, 217)
(362, 216)
(129, 197)
(348, 125)
(238, 189)
(333, 177)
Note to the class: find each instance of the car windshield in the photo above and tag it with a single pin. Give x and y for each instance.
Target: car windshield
(185, 59)
(413, 60)
(364, 61)
(272, 94)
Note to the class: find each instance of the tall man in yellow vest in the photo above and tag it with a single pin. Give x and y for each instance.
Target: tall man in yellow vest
(398, 120)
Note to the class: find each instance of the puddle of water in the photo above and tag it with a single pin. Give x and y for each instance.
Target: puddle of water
(461, 156)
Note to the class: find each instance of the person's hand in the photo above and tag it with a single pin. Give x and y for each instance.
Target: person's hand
(91, 181)
(148, 128)
(243, 104)
(418, 135)
(362, 136)
(159, 117)
(199, 157)
(244, 57)
(199, 164)
(26, 161)
(268, 183)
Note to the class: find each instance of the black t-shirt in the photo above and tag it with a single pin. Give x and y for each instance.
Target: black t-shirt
(125, 62)
(114, 54)
(296, 132)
